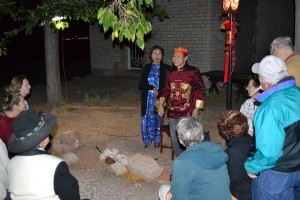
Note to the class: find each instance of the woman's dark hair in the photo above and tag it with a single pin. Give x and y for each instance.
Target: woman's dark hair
(232, 124)
(154, 48)
(255, 79)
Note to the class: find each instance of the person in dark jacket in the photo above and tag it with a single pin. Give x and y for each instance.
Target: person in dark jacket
(33, 173)
(152, 80)
(200, 172)
(233, 126)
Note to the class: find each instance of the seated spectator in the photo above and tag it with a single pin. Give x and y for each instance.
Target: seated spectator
(3, 172)
(249, 107)
(13, 105)
(34, 174)
(20, 84)
(200, 172)
(233, 127)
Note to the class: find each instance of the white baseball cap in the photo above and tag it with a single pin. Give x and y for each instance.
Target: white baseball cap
(270, 67)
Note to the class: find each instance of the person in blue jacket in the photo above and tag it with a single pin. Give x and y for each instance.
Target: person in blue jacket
(200, 172)
(275, 166)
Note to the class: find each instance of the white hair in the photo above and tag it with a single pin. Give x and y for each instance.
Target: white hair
(281, 42)
(190, 131)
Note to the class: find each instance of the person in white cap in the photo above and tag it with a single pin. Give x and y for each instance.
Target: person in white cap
(275, 166)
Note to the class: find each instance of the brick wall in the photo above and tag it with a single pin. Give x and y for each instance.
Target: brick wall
(107, 57)
(196, 24)
(274, 18)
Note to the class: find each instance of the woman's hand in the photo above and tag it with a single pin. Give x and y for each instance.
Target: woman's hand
(155, 91)
(160, 110)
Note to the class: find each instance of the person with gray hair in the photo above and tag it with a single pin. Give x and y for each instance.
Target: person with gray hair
(200, 172)
(277, 125)
(283, 48)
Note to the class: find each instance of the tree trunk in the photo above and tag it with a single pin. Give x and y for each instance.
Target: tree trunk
(54, 95)
(297, 25)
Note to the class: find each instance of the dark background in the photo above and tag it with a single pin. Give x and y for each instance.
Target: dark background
(26, 54)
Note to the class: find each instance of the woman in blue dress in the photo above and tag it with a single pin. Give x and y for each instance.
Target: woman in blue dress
(152, 80)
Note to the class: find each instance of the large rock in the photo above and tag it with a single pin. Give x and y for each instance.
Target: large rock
(70, 158)
(120, 150)
(144, 166)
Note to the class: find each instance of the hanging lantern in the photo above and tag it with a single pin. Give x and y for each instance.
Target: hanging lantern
(230, 6)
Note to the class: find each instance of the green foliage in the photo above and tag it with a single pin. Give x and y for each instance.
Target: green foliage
(127, 19)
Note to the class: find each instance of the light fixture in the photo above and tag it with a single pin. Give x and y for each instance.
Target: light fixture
(57, 18)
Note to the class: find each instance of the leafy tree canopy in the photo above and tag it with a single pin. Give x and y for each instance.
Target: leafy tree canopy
(126, 19)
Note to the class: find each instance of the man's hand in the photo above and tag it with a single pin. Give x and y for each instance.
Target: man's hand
(251, 175)
(195, 112)
(169, 196)
(160, 110)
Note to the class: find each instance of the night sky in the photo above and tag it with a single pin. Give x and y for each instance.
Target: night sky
(25, 54)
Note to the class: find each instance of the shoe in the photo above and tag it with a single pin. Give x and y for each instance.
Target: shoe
(156, 144)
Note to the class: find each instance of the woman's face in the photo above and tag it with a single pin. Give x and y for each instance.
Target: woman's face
(156, 56)
(22, 104)
(251, 89)
(25, 88)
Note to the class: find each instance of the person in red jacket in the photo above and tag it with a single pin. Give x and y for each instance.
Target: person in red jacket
(185, 91)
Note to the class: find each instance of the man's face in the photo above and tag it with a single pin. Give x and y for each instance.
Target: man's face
(282, 53)
(179, 60)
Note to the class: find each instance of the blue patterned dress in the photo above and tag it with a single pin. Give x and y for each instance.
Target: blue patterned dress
(150, 122)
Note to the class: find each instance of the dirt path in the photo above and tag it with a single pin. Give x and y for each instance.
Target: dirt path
(102, 109)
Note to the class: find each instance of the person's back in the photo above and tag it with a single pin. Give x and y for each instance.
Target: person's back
(200, 172)
(34, 178)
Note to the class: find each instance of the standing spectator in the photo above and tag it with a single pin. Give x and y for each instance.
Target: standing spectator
(275, 166)
(34, 174)
(185, 90)
(152, 80)
(20, 84)
(283, 48)
(13, 105)
(200, 172)
(249, 107)
(233, 126)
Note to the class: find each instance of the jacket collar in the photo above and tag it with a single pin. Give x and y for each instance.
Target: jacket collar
(284, 83)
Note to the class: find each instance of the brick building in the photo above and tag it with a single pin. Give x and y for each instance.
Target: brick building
(196, 24)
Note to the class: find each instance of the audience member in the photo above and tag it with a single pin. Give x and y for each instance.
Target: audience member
(283, 48)
(152, 80)
(275, 166)
(13, 105)
(200, 172)
(3, 172)
(185, 90)
(249, 107)
(233, 126)
(20, 84)
(34, 174)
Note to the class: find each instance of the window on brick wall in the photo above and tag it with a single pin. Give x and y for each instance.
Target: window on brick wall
(136, 57)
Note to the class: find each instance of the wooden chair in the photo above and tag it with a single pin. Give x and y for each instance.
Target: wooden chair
(165, 130)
